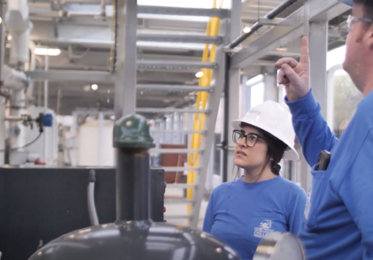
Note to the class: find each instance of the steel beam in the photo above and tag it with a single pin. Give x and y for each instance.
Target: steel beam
(286, 31)
(222, 13)
(125, 80)
(71, 75)
(179, 88)
(179, 38)
(170, 110)
(163, 64)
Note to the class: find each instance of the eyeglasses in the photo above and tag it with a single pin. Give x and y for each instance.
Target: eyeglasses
(351, 19)
(250, 139)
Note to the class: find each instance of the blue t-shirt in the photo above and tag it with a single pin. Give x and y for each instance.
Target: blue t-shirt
(241, 214)
(340, 216)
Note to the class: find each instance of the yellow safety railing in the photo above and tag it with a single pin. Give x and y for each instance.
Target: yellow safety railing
(201, 102)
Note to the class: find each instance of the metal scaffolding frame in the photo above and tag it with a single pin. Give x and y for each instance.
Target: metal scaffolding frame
(312, 20)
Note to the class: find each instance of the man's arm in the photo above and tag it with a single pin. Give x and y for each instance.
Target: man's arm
(310, 127)
(357, 193)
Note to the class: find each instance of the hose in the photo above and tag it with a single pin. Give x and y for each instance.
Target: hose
(91, 199)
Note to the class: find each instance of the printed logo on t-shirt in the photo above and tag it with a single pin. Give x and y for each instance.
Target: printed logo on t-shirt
(263, 229)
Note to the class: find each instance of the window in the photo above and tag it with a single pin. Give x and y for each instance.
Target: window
(346, 98)
(257, 94)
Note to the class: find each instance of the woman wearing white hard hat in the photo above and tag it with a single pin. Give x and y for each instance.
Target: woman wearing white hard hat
(260, 202)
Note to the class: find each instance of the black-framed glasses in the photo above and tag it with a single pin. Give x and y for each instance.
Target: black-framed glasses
(250, 138)
(351, 19)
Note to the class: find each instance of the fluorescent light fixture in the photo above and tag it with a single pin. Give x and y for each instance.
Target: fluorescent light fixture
(1, 20)
(246, 29)
(282, 49)
(94, 87)
(199, 74)
(9, 37)
(47, 51)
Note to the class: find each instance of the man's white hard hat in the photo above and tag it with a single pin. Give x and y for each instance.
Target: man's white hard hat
(275, 119)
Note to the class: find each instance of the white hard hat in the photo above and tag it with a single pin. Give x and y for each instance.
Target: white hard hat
(275, 119)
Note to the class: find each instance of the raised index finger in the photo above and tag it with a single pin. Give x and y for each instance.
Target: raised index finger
(304, 53)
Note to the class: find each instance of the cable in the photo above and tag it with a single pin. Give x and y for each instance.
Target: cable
(91, 199)
(26, 145)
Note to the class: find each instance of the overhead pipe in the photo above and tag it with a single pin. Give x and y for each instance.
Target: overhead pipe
(271, 15)
(19, 26)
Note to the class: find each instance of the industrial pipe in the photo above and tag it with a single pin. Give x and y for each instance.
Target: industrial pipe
(91, 199)
(271, 15)
(132, 141)
(226, 123)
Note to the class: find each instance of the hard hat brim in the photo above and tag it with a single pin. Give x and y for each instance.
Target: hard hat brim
(347, 2)
(290, 154)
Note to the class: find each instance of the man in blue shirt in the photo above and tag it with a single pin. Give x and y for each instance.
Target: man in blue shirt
(339, 221)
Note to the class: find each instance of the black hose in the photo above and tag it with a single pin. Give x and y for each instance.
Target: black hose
(26, 145)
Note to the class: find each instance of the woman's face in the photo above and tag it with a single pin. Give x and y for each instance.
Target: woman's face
(250, 157)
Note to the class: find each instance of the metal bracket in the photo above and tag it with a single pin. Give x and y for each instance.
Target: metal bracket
(229, 50)
(272, 22)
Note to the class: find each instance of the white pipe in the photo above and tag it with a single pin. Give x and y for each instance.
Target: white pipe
(17, 136)
(91, 204)
(30, 89)
(91, 199)
(100, 138)
(74, 131)
(46, 65)
(19, 27)
(2, 130)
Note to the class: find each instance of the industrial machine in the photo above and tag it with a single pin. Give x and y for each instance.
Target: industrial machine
(134, 235)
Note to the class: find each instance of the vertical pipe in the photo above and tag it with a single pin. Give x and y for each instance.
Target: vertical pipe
(2, 41)
(2, 130)
(100, 138)
(74, 130)
(225, 141)
(133, 184)
(40, 87)
(46, 86)
(2, 100)
(46, 83)
(125, 83)
(132, 140)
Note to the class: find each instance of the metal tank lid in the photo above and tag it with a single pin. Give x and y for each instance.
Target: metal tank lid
(137, 240)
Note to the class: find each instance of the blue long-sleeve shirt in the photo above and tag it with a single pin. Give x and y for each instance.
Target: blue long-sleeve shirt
(241, 214)
(340, 217)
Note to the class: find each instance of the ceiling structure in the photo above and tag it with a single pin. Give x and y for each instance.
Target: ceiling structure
(83, 30)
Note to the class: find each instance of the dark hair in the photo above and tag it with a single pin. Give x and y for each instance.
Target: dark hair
(275, 151)
(367, 6)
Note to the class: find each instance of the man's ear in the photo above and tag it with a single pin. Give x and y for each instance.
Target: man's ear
(370, 37)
